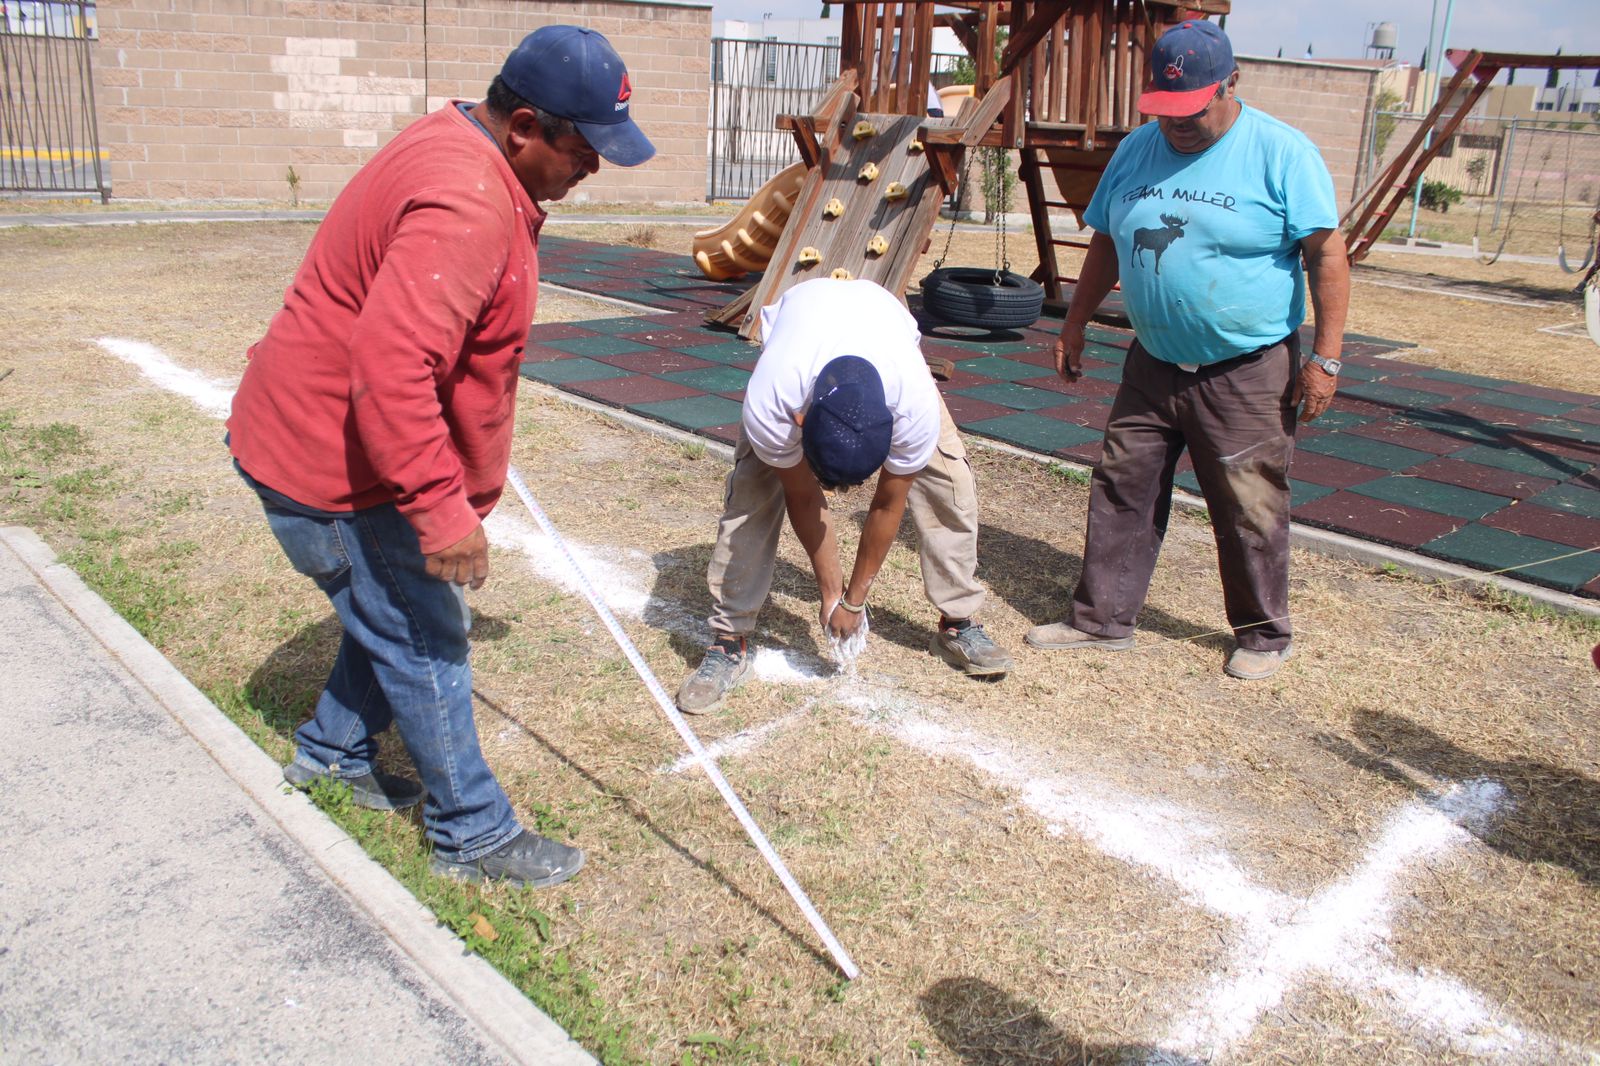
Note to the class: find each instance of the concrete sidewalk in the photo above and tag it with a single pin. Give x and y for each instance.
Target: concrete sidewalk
(163, 899)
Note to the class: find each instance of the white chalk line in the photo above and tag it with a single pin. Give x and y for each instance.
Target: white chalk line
(1454, 295)
(1340, 932)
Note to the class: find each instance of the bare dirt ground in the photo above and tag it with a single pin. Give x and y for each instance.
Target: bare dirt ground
(1390, 853)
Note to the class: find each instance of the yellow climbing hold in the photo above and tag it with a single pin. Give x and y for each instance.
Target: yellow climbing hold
(869, 172)
(878, 245)
(914, 147)
(833, 208)
(863, 130)
(896, 191)
(810, 256)
(841, 274)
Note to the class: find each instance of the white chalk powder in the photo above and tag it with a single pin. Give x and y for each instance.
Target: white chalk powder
(213, 397)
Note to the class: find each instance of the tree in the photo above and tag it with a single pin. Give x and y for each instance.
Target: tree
(1384, 120)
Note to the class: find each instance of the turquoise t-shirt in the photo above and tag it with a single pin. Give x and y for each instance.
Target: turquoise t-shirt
(1208, 245)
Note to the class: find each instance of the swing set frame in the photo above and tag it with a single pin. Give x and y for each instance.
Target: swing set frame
(1370, 213)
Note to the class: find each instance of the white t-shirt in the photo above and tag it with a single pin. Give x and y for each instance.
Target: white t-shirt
(811, 325)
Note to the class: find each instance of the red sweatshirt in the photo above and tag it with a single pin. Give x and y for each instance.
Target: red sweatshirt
(390, 373)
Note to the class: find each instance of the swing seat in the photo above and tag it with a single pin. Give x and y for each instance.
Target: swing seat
(1561, 259)
(986, 299)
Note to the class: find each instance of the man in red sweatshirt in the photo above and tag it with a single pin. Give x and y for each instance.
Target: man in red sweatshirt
(375, 417)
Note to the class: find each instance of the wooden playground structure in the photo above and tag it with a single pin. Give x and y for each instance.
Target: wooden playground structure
(1062, 93)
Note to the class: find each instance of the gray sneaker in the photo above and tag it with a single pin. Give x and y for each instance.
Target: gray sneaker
(1061, 636)
(971, 651)
(718, 674)
(528, 859)
(1248, 664)
(375, 791)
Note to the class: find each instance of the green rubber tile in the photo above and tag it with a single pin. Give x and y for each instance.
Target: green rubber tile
(631, 324)
(1105, 373)
(1463, 427)
(1364, 451)
(988, 347)
(1187, 482)
(1015, 396)
(1459, 378)
(1106, 336)
(1340, 420)
(1363, 373)
(1105, 353)
(727, 353)
(1387, 342)
(1033, 431)
(712, 378)
(693, 412)
(1536, 404)
(990, 366)
(1524, 557)
(1433, 496)
(1301, 492)
(648, 297)
(562, 371)
(1394, 395)
(1563, 430)
(596, 346)
(1572, 498)
(1524, 459)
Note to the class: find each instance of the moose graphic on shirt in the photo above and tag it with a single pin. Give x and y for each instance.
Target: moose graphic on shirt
(1157, 239)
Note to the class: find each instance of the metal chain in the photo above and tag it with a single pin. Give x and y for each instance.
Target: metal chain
(961, 186)
(994, 163)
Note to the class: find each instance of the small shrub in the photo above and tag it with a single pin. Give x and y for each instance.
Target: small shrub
(1439, 195)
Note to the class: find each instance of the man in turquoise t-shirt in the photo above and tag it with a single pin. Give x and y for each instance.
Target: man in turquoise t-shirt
(1205, 216)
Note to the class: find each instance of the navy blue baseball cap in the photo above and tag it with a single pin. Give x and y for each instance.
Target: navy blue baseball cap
(848, 428)
(576, 74)
(1186, 66)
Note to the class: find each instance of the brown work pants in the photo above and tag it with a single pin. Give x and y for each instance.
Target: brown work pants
(1237, 420)
(943, 504)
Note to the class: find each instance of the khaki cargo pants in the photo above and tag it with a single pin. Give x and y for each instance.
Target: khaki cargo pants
(943, 505)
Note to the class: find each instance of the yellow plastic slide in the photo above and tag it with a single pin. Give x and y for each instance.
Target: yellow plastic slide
(748, 241)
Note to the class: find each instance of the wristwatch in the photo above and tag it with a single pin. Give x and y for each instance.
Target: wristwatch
(1330, 366)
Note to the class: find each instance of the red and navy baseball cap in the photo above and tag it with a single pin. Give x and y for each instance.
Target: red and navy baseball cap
(574, 73)
(1186, 66)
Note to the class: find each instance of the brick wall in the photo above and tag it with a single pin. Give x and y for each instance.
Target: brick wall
(219, 98)
(1328, 103)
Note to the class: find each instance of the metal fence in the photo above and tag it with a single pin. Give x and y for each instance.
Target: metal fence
(752, 83)
(1529, 185)
(49, 139)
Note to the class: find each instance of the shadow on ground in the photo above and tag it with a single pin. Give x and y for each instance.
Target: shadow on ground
(983, 1024)
(1554, 813)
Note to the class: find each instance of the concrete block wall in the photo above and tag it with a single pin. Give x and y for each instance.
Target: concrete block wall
(1330, 104)
(203, 99)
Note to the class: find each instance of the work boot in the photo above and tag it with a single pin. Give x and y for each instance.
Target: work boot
(965, 646)
(528, 859)
(1247, 664)
(724, 668)
(375, 791)
(1061, 636)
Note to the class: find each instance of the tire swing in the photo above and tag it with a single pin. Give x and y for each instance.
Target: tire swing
(974, 296)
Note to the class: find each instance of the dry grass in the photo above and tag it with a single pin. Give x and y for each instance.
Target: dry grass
(987, 931)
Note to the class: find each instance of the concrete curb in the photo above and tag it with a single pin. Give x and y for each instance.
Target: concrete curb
(523, 1032)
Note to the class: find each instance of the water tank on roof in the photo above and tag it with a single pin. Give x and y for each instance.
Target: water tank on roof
(1384, 35)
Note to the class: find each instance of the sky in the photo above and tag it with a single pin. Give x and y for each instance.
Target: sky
(1339, 29)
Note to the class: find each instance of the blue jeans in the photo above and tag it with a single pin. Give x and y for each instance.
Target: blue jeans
(402, 659)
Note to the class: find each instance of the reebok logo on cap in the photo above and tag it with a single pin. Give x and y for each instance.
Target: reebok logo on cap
(575, 74)
(624, 94)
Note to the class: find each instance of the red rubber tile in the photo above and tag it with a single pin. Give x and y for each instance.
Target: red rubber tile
(1083, 388)
(728, 434)
(1090, 415)
(660, 361)
(1408, 435)
(1539, 392)
(538, 353)
(675, 338)
(638, 389)
(557, 331)
(1494, 416)
(1590, 415)
(962, 379)
(1326, 470)
(1054, 383)
(1357, 406)
(1591, 589)
(1390, 523)
(1531, 520)
(1087, 453)
(1490, 479)
(966, 409)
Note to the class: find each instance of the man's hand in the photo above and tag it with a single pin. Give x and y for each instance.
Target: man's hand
(1069, 351)
(840, 623)
(1313, 391)
(466, 562)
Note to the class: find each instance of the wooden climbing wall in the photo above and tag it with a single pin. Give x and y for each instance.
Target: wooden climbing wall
(905, 224)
